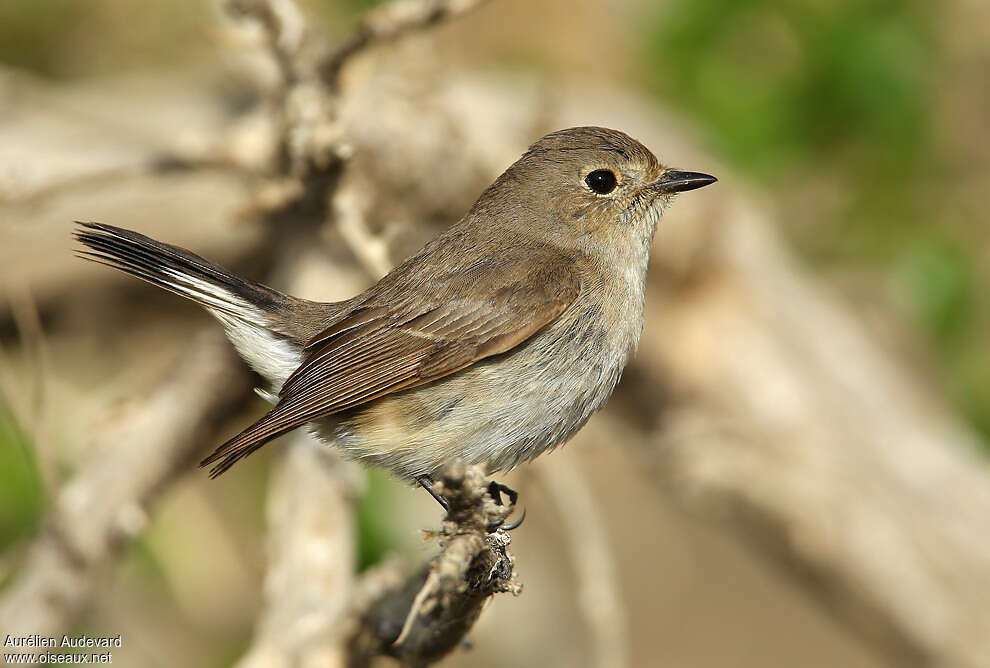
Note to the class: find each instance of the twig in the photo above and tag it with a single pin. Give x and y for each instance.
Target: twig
(311, 570)
(389, 22)
(284, 26)
(306, 106)
(304, 110)
(105, 505)
(425, 618)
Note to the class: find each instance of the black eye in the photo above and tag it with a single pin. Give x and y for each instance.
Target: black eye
(601, 181)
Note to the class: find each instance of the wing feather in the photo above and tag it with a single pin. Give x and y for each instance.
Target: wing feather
(377, 349)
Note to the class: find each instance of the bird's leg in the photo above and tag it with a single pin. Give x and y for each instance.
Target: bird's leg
(427, 484)
(495, 490)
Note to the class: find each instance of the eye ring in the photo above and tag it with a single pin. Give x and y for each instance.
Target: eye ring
(601, 181)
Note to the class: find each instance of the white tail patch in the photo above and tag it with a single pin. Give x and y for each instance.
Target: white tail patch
(271, 356)
(210, 294)
(246, 325)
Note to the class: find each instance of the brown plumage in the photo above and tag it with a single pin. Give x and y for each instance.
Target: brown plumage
(386, 343)
(494, 343)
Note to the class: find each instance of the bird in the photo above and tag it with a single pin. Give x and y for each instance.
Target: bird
(494, 343)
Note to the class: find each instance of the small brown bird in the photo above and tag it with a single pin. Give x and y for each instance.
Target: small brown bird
(494, 343)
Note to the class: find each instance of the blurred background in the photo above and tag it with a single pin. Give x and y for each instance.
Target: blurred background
(859, 128)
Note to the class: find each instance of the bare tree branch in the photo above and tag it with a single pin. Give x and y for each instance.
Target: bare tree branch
(305, 112)
(308, 586)
(425, 618)
(106, 503)
(297, 627)
(390, 21)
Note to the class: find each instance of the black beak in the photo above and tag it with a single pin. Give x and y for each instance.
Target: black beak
(673, 181)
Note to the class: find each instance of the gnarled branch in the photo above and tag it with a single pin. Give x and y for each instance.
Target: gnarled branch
(427, 616)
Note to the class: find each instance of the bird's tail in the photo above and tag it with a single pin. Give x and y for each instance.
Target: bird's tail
(248, 311)
(177, 270)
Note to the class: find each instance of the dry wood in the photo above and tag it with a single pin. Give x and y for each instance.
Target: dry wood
(309, 582)
(427, 616)
(106, 504)
(306, 620)
(807, 434)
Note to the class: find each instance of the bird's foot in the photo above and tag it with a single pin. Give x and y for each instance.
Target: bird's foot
(496, 490)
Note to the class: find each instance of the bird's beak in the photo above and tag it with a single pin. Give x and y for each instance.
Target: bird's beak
(674, 181)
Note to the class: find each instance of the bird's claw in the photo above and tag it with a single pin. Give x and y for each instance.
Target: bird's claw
(495, 490)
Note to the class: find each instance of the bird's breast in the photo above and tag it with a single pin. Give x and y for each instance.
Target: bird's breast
(509, 408)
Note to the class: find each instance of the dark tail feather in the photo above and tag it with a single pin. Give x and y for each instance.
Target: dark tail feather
(243, 307)
(177, 270)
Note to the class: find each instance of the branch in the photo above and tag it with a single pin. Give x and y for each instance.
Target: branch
(105, 505)
(305, 113)
(311, 569)
(307, 106)
(288, 36)
(390, 21)
(792, 418)
(426, 617)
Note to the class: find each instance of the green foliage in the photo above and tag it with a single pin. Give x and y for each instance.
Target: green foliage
(33, 32)
(21, 491)
(971, 384)
(779, 83)
(939, 281)
(797, 92)
(376, 535)
(355, 5)
(840, 93)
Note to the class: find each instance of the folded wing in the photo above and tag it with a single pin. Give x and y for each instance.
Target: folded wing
(378, 348)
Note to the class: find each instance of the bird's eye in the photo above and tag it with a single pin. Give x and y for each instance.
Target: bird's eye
(601, 181)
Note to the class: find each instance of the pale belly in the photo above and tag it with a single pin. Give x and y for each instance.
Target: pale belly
(499, 412)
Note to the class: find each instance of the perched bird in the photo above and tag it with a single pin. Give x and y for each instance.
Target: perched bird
(494, 343)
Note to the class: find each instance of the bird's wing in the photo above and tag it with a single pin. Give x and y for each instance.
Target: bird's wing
(378, 349)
